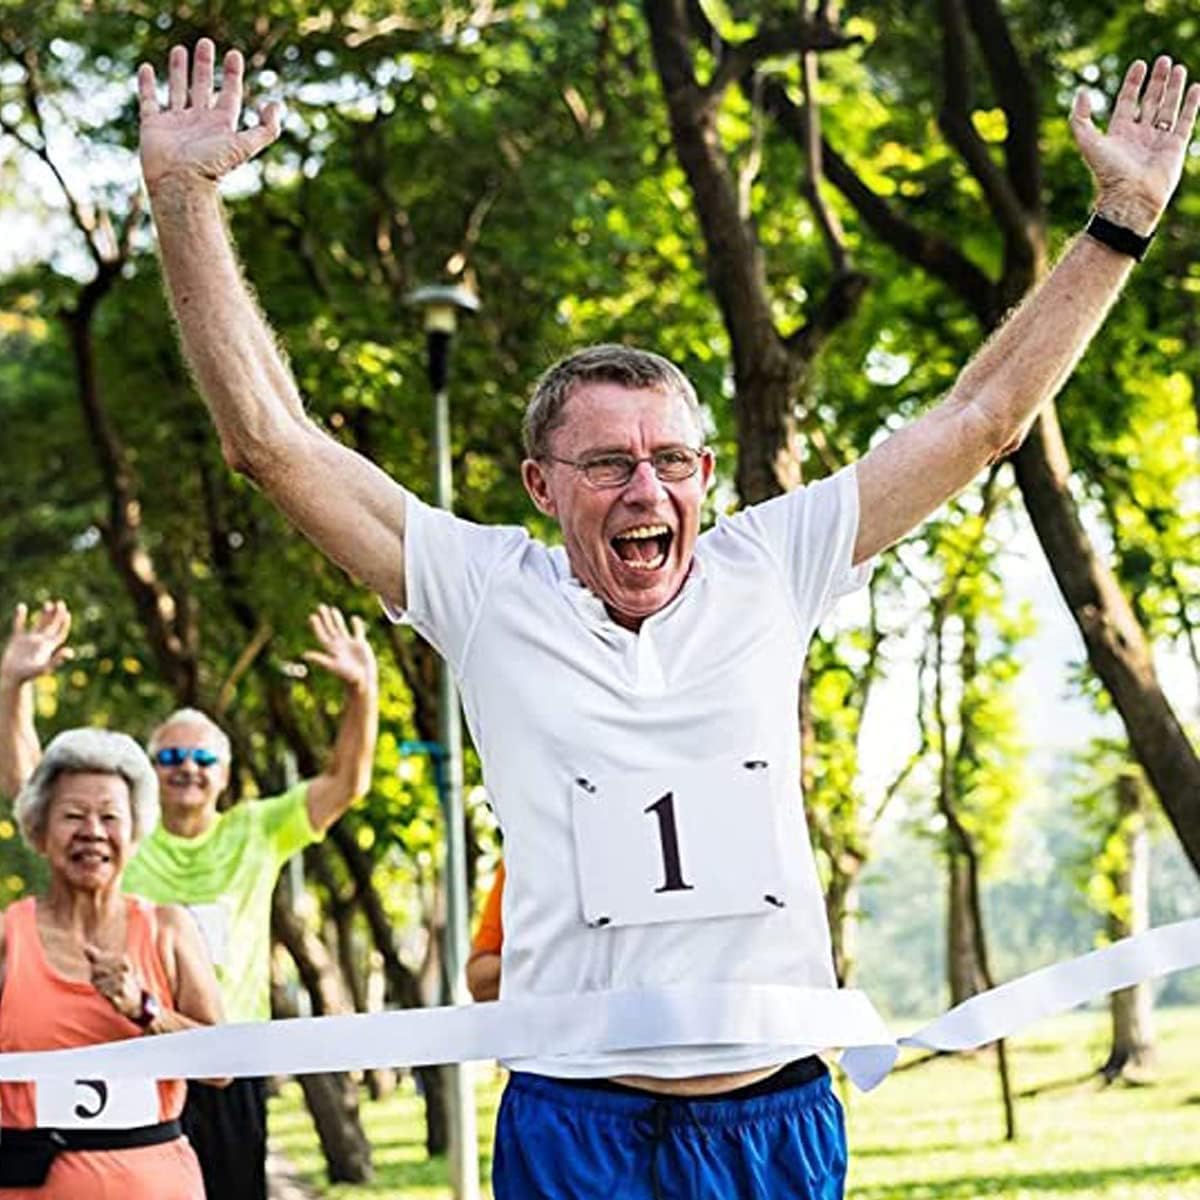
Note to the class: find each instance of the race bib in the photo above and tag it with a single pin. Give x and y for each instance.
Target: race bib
(96, 1103)
(685, 844)
(213, 920)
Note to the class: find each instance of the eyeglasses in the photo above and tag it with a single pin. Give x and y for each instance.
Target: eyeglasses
(672, 465)
(174, 756)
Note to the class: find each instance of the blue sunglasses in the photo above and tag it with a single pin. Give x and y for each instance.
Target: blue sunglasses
(174, 756)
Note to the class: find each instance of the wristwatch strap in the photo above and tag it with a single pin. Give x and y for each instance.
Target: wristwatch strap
(149, 1011)
(1117, 237)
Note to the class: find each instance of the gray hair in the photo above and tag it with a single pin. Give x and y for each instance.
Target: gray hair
(82, 751)
(606, 363)
(191, 716)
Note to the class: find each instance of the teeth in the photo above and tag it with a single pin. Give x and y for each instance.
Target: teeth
(652, 565)
(642, 531)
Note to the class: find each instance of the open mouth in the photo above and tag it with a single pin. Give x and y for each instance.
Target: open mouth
(89, 858)
(644, 547)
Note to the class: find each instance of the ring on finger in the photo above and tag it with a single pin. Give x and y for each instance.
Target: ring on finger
(1164, 126)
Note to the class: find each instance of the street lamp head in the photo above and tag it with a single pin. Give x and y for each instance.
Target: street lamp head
(442, 304)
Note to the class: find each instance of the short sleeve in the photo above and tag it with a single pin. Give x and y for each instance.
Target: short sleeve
(447, 565)
(811, 533)
(284, 823)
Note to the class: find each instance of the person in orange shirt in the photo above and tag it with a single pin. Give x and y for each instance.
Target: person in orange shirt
(483, 966)
(83, 964)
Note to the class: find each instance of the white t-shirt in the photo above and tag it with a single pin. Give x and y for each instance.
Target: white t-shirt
(555, 691)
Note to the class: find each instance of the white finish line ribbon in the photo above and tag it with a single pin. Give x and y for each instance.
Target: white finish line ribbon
(593, 1022)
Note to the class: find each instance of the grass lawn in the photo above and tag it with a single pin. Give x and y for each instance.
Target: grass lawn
(934, 1132)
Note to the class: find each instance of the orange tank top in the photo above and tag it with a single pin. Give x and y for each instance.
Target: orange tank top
(41, 1009)
(489, 937)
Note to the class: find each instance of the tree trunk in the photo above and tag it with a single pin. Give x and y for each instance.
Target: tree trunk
(1115, 642)
(963, 973)
(332, 1098)
(403, 987)
(1117, 648)
(1132, 1009)
(165, 620)
(339, 937)
(333, 1101)
(769, 369)
(962, 854)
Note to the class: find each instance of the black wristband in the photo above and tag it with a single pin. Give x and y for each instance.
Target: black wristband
(1117, 237)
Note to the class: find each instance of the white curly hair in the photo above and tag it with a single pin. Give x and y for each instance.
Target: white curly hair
(76, 751)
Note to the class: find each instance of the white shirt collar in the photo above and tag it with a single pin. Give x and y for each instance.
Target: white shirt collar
(591, 608)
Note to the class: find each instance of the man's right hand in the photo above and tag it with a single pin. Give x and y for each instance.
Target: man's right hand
(36, 647)
(196, 136)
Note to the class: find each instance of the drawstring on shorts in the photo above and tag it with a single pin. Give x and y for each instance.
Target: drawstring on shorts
(658, 1119)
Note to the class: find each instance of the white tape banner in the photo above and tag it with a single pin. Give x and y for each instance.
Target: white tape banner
(588, 1023)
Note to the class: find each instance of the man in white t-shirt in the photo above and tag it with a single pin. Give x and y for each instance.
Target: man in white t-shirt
(632, 694)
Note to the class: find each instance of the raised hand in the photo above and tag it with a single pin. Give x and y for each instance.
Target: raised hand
(197, 134)
(39, 646)
(345, 652)
(1137, 162)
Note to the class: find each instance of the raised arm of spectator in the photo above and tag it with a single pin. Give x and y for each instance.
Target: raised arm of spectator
(346, 653)
(340, 500)
(1137, 164)
(34, 648)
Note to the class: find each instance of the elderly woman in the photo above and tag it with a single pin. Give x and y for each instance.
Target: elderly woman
(85, 964)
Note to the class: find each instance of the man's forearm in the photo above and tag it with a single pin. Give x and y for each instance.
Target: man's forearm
(240, 370)
(1027, 360)
(354, 751)
(348, 775)
(20, 748)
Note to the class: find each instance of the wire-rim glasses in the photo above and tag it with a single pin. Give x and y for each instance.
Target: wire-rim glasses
(672, 464)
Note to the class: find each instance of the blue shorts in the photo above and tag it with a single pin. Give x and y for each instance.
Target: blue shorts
(558, 1140)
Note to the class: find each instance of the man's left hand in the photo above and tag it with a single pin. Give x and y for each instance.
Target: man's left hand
(345, 651)
(1138, 161)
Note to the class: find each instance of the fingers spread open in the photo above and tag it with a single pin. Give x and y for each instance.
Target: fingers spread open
(177, 65)
(232, 70)
(1126, 107)
(339, 622)
(202, 74)
(320, 629)
(1187, 115)
(319, 660)
(1168, 110)
(1156, 89)
(147, 91)
(1081, 120)
(266, 131)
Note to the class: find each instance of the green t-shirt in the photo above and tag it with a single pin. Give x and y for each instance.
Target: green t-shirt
(226, 877)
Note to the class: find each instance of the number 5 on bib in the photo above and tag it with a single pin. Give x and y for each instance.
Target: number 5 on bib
(688, 844)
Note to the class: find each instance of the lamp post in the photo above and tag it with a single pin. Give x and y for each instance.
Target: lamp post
(442, 305)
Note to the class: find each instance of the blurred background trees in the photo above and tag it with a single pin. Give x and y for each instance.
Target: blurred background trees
(818, 211)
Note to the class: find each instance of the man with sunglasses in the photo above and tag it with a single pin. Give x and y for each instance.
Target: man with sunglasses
(221, 865)
(632, 693)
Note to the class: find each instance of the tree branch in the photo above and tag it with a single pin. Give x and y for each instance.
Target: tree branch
(935, 254)
(800, 37)
(84, 220)
(1017, 92)
(954, 120)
